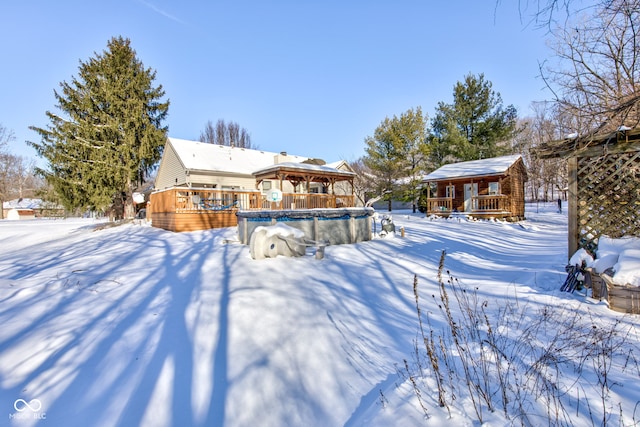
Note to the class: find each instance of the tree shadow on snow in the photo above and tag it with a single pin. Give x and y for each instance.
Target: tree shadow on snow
(116, 352)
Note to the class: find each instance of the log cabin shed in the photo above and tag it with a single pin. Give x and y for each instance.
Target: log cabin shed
(604, 185)
(486, 188)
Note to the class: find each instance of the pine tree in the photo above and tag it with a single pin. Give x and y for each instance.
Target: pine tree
(397, 152)
(411, 130)
(384, 158)
(110, 133)
(474, 126)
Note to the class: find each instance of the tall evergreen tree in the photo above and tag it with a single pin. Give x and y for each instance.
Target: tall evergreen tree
(474, 125)
(110, 134)
(398, 152)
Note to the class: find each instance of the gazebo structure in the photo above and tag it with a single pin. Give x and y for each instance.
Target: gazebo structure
(604, 185)
(315, 186)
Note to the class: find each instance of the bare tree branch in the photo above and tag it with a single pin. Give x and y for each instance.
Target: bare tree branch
(230, 134)
(596, 78)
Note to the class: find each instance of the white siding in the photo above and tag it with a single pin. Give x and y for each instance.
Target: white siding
(209, 165)
(221, 180)
(171, 171)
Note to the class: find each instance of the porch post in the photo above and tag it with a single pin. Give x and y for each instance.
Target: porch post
(573, 234)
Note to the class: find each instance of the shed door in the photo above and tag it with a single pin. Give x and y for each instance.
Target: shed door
(470, 191)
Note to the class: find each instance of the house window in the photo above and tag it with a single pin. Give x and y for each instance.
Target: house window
(433, 189)
(266, 185)
(450, 191)
(494, 188)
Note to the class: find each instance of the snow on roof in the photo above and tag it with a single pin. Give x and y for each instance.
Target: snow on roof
(212, 157)
(301, 167)
(492, 166)
(337, 164)
(22, 204)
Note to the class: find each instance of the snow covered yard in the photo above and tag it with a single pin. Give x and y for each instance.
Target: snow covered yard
(133, 325)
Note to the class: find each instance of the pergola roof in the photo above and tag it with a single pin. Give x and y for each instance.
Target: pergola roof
(589, 145)
(303, 172)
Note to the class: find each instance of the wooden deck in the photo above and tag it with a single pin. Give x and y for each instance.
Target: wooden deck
(191, 209)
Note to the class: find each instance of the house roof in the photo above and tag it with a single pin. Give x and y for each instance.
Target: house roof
(473, 168)
(339, 164)
(202, 156)
(23, 204)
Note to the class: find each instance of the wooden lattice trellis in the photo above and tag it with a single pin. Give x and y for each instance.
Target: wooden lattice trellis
(607, 197)
(604, 185)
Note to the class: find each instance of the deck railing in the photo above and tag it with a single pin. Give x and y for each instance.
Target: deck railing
(181, 200)
(439, 205)
(493, 203)
(304, 201)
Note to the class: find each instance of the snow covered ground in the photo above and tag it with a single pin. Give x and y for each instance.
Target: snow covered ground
(132, 325)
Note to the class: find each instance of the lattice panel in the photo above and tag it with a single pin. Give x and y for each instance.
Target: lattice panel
(608, 197)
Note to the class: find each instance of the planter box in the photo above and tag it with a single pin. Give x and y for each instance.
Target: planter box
(621, 298)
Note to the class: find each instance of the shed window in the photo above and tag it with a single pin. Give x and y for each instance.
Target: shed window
(494, 188)
(450, 191)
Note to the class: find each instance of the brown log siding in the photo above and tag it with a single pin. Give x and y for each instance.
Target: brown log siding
(509, 204)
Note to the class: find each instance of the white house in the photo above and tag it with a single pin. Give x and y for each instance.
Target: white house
(200, 185)
(26, 208)
(198, 164)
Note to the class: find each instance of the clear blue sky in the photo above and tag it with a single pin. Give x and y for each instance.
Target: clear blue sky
(311, 77)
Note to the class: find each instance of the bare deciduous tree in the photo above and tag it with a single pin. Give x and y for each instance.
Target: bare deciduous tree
(222, 133)
(363, 184)
(16, 173)
(7, 167)
(547, 13)
(208, 135)
(596, 80)
(547, 177)
(5, 136)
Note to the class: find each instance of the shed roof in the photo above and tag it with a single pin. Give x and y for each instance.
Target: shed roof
(202, 156)
(473, 168)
